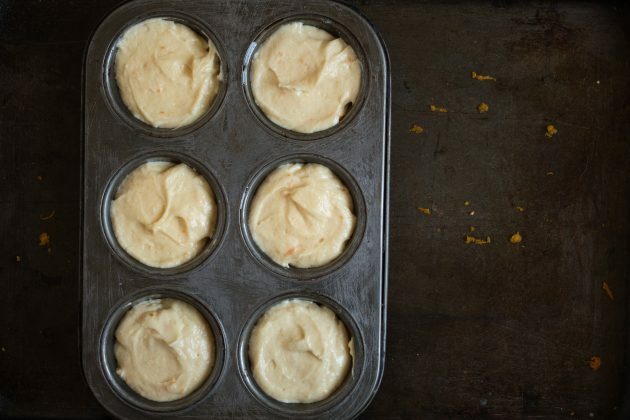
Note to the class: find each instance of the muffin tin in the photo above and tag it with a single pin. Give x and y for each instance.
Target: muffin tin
(234, 146)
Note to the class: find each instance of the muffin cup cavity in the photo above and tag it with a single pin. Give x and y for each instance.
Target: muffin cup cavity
(108, 358)
(329, 25)
(164, 156)
(353, 243)
(112, 93)
(302, 410)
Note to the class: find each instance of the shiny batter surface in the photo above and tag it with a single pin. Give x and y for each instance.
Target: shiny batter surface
(303, 78)
(167, 75)
(299, 352)
(163, 214)
(164, 349)
(302, 215)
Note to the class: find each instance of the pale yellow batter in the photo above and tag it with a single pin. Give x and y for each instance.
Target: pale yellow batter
(303, 78)
(299, 352)
(164, 349)
(163, 214)
(302, 215)
(167, 75)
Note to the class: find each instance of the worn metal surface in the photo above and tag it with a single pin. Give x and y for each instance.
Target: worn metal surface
(493, 331)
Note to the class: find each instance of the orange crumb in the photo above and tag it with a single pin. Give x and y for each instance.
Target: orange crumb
(483, 107)
(551, 131)
(18, 258)
(44, 239)
(516, 238)
(471, 228)
(521, 209)
(608, 291)
(39, 177)
(416, 129)
(595, 362)
(425, 210)
(481, 77)
(477, 241)
(434, 108)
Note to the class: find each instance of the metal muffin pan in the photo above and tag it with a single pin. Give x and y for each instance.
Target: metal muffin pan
(234, 146)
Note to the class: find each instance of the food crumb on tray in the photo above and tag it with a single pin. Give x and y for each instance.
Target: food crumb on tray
(481, 77)
(44, 239)
(416, 129)
(434, 108)
(18, 258)
(425, 210)
(551, 131)
(520, 209)
(516, 238)
(608, 291)
(477, 241)
(595, 362)
(483, 108)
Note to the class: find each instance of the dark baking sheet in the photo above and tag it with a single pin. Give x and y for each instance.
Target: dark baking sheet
(473, 332)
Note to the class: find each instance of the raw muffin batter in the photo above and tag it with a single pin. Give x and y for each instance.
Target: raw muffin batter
(163, 214)
(302, 215)
(299, 352)
(303, 78)
(164, 349)
(167, 75)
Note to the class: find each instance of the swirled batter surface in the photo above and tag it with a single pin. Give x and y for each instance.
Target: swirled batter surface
(299, 352)
(302, 215)
(304, 79)
(167, 75)
(163, 214)
(164, 349)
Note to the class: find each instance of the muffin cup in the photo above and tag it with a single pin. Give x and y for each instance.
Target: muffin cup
(302, 410)
(112, 93)
(353, 243)
(110, 193)
(329, 25)
(108, 358)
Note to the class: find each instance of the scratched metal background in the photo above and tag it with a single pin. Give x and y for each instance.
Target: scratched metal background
(496, 331)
